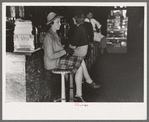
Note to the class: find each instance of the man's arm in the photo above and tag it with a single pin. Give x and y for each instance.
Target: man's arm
(97, 24)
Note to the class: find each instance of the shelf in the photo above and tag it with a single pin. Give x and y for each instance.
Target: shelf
(27, 52)
(117, 29)
(116, 38)
(111, 19)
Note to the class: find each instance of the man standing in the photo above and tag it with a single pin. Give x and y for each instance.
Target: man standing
(97, 31)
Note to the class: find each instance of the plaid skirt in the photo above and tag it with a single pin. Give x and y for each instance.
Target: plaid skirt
(70, 62)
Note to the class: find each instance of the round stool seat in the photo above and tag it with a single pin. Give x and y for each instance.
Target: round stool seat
(59, 71)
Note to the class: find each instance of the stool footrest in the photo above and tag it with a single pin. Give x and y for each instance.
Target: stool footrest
(63, 72)
(59, 100)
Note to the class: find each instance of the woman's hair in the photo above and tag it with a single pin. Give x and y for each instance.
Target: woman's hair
(79, 17)
(49, 25)
(88, 11)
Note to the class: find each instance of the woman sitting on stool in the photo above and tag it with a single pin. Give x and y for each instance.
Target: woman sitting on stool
(55, 56)
(79, 43)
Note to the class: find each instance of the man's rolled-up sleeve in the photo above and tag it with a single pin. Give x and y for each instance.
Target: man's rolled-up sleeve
(97, 23)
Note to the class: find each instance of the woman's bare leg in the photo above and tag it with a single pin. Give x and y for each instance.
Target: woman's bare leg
(78, 80)
(85, 73)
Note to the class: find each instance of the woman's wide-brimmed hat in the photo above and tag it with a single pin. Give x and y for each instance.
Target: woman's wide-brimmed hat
(51, 16)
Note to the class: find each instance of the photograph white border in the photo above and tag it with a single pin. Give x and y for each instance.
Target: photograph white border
(68, 111)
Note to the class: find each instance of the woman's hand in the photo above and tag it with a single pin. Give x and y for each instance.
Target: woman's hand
(69, 50)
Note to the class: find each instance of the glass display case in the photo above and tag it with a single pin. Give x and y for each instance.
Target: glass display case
(117, 28)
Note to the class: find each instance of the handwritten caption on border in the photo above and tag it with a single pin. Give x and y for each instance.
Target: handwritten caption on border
(80, 104)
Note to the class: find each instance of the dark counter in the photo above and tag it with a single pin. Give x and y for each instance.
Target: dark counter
(39, 88)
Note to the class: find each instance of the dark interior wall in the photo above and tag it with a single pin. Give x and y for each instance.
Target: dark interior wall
(38, 14)
(100, 12)
(135, 15)
(135, 27)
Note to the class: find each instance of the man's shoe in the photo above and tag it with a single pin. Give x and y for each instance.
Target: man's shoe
(78, 99)
(94, 86)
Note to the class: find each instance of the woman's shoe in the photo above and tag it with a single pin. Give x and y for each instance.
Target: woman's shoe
(78, 99)
(94, 85)
(57, 98)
